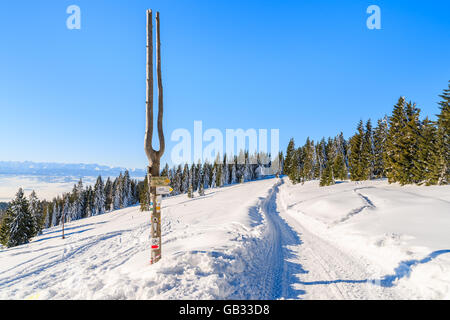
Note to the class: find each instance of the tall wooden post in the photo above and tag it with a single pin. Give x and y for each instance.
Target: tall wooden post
(63, 218)
(154, 156)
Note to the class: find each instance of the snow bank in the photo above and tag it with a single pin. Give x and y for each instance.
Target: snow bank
(403, 231)
(212, 246)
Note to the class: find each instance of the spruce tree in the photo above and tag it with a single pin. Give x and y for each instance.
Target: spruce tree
(4, 228)
(355, 157)
(367, 153)
(426, 161)
(185, 179)
(409, 141)
(126, 197)
(308, 162)
(48, 214)
(190, 192)
(20, 224)
(327, 177)
(214, 177)
(339, 168)
(443, 138)
(144, 196)
(35, 212)
(118, 192)
(393, 145)
(379, 141)
(289, 161)
(99, 197)
(201, 190)
(55, 213)
(247, 170)
(234, 178)
(108, 194)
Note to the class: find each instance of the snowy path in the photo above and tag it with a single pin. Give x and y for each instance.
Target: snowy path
(307, 267)
(368, 241)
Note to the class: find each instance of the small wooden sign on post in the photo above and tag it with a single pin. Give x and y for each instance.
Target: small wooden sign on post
(164, 190)
(159, 182)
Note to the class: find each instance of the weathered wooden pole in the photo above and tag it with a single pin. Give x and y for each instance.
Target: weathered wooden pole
(154, 156)
(63, 218)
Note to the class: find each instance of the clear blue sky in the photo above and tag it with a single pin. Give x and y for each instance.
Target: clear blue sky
(308, 68)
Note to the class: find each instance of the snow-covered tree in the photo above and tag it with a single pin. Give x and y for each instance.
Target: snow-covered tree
(20, 221)
(35, 211)
(213, 178)
(99, 197)
(233, 178)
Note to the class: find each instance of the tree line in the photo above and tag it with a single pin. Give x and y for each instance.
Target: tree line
(187, 179)
(402, 148)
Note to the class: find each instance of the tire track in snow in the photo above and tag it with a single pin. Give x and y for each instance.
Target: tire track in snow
(281, 270)
(368, 204)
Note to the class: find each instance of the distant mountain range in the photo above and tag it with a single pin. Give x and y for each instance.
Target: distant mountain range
(64, 169)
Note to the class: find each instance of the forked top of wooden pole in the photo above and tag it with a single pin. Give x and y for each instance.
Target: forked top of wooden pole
(154, 156)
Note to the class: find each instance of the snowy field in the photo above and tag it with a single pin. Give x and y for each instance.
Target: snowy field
(46, 187)
(259, 240)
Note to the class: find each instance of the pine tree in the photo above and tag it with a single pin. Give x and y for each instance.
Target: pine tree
(226, 170)
(117, 193)
(309, 160)
(426, 161)
(185, 179)
(77, 202)
(126, 190)
(206, 175)
(177, 181)
(355, 157)
(48, 214)
(65, 211)
(190, 192)
(409, 173)
(367, 153)
(289, 161)
(321, 157)
(4, 228)
(247, 170)
(99, 197)
(338, 167)
(443, 138)
(379, 141)
(165, 171)
(327, 177)
(55, 214)
(89, 202)
(201, 190)
(214, 177)
(219, 177)
(35, 212)
(393, 145)
(144, 196)
(20, 221)
(109, 191)
(234, 178)
(198, 176)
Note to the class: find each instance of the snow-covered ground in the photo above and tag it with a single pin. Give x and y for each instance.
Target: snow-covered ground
(46, 187)
(400, 236)
(267, 239)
